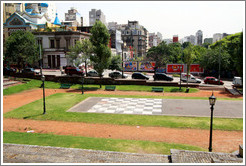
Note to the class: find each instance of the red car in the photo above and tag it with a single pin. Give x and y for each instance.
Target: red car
(213, 80)
(73, 71)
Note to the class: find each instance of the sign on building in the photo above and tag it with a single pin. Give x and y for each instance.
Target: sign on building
(130, 66)
(195, 68)
(175, 68)
(146, 66)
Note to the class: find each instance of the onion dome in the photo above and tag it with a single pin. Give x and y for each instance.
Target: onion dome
(44, 4)
(57, 21)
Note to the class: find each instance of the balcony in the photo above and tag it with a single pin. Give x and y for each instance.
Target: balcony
(61, 49)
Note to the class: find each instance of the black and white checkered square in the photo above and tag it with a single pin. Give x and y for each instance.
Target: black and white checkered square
(128, 106)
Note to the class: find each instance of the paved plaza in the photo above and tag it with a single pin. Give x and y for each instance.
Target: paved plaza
(148, 106)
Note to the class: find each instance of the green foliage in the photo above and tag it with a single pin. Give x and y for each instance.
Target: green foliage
(21, 48)
(58, 104)
(189, 55)
(210, 59)
(232, 47)
(100, 40)
(105, 144)
(115, 63)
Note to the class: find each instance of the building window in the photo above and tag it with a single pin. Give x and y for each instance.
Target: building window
(67, 43)
(52, 43)
(75, 41)
(57, 43)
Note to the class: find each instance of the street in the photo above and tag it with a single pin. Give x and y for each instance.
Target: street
(57, 72)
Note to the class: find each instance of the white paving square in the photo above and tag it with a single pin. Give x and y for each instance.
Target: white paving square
(128, 106)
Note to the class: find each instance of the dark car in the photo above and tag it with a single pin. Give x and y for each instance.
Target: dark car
(117, 74)
(139, 76)
(213, 80)
(30, 71)
(162, 76)
(74, 71)
(8, 71)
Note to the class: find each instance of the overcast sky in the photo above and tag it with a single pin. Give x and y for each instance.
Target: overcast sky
(181, 18)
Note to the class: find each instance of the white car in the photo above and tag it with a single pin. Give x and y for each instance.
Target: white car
(93, 73)
(237, 81)
(191, 78)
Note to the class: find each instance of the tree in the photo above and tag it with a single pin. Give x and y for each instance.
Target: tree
(115, 63)
(86, 51)
(188, 58)
(21, 48)
(74, 54)
(100, 40)
(159, 54)
(80, 52)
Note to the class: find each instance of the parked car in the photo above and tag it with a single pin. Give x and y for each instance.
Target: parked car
(139, 76)
(74, 71)
(213, 80)
(30, 71)
(191, 78)
(117, 74)
(8, 71)
(93, 73)
(162, 76)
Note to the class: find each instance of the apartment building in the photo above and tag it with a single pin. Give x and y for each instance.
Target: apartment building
(199, 37)
(73, 18)
(95, 15)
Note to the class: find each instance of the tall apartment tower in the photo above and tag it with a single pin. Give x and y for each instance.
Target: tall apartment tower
(73, 15)
(199, 39)
(95, 15)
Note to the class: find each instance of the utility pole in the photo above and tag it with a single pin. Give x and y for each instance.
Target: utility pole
(219, 63)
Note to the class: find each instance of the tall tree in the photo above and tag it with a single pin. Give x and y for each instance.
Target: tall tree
(21, 48)
(87, 50)
(100, 40)
(115, 63)
(80, 52)
(74, 54)
(188, 58)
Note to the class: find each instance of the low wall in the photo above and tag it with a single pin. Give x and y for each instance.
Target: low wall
(103, 81)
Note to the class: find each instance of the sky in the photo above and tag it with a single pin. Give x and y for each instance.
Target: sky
(182, 18)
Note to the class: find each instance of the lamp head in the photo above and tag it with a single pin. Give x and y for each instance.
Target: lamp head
(212, 99)
(43, 78)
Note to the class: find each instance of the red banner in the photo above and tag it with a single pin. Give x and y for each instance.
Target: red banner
(195, 68)
(175, 68)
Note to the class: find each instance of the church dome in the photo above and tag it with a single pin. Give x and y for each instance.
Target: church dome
(44, 4)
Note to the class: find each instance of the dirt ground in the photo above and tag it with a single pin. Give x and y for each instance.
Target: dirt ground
(223, 141)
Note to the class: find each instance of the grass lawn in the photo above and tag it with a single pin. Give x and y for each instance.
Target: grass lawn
(104, 144)
(54, 85)
(58, 104)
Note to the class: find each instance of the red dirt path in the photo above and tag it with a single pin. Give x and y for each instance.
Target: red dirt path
(223, 141)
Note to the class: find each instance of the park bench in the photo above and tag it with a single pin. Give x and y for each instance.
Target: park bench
(155, 89)
(110, 87)
(65, 86)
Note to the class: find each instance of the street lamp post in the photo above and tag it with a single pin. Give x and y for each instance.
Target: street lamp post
(212, 100)
(43, 79)
(82, 81)
(122, 47)
(180, 77)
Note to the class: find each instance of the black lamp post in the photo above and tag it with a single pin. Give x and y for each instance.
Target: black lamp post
(212, 100)
(82, 81)
(43, 79)
(180, 77)
(122, 47)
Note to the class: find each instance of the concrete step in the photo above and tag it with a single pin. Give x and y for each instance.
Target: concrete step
(47, 154)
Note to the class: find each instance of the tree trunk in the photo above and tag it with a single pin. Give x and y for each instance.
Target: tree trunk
(85, 69)
(188, 72)
(100, 81)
